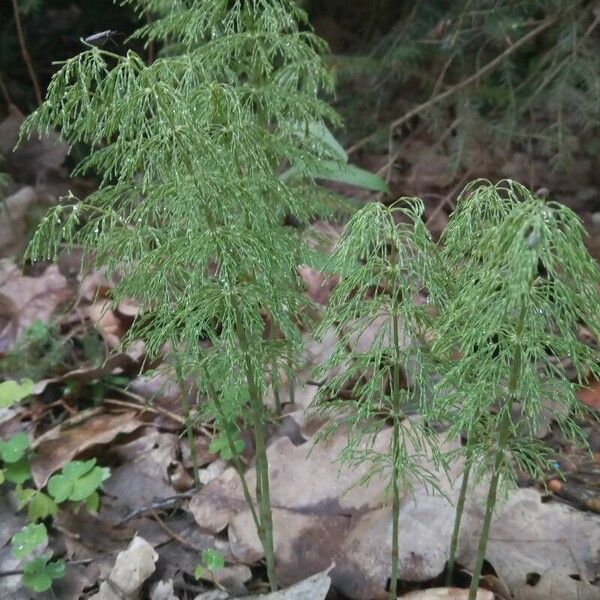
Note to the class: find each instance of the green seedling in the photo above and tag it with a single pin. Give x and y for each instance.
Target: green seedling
(221, 445)
(212, 560)
(39, 573)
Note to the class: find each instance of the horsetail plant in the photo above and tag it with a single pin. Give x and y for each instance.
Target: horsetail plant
(523, 285)
(384, 265)
(191, 203)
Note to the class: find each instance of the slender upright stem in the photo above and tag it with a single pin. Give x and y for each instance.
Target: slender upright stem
(263, 495)
(189, 429)
(460, 506)
(25, 53)
(235, 459)
(487, 520)
(503, 439)
(396, 448)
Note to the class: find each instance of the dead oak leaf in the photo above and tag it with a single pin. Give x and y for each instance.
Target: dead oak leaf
(66, 443)
(25, 299)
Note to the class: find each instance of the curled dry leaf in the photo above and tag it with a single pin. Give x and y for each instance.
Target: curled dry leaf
(132, 568)
(71, 438)
(25, 299)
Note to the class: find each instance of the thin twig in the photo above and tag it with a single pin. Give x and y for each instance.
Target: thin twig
(25, 53)
(158, 505)
(5, 94)
(145, 408)
(487, 68)
(172, 533)
(448, 197)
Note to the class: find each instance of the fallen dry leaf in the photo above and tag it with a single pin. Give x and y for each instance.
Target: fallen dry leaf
(590, 396)
(64, 443)
(13, 220)
(132, 568)
(144, 475)
(553, 585)
(530, 536)
(24, 299)
(36, 157)
(320, 514)
(446, 594)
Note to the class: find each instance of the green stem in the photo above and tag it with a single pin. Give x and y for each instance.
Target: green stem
(237, 463)
(503, 439)
(460, 506)
(263, 495)
(487, 520)
(396, 450)
(189, 430)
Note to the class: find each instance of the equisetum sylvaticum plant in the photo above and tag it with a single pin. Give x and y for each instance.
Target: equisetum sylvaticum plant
(386, 260)
(523, 285)
(201, 156)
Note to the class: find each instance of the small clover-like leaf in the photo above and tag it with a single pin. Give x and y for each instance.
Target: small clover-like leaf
(41, 506)
(38, 573)
(30, 537)
(15, 448)
(12, 391)
(199, 572)
(78, 468)
(2, 476)
(89, 483)
(77, 481)
(60, 487)
(24, 495)
(18, 472)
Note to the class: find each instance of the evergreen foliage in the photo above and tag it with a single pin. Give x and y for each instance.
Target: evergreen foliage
(523, 285)
(190, 209)
(544, 93)
(384, 264)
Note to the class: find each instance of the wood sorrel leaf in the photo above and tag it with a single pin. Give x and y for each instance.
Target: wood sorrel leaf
(30, 537)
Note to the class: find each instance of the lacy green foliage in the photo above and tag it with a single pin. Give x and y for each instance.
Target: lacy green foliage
(522, 286)
(383, 264)
(190, 209)
(187, 149)
(542, 93)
